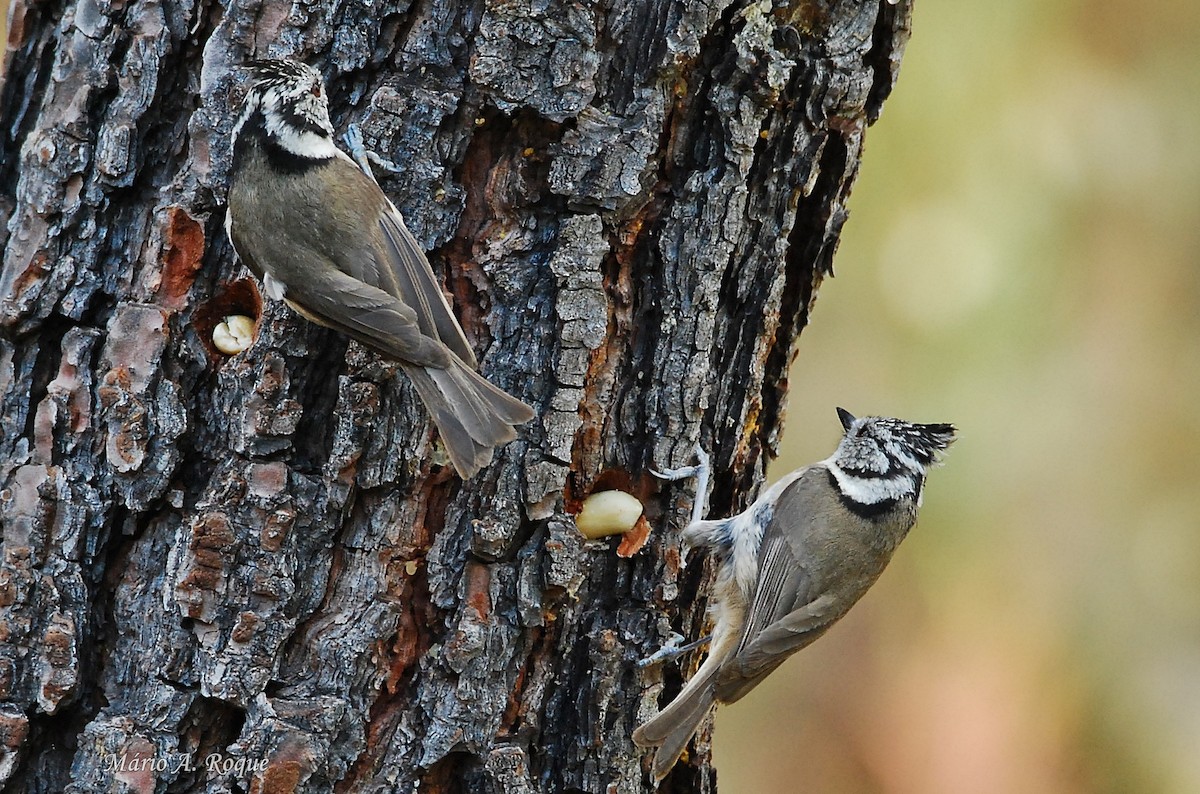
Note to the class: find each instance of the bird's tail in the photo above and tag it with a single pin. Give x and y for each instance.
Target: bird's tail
(472, 415)
(674, 726)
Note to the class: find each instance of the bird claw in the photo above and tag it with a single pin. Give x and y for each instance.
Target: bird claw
(683, 472)
(364, 156)
(700, 471)
(671, 475)
(671, 649)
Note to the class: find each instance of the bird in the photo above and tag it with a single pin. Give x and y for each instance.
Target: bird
(794, 562)
(322, 236)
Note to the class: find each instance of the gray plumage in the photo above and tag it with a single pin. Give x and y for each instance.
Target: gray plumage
(323, 237)
(795, 562)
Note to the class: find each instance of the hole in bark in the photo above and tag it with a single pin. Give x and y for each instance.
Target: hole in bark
(240, 297)
(621, 513)
(209, 727)
(609, 480)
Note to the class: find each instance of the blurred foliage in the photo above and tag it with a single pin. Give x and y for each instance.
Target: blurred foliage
(1021, 259)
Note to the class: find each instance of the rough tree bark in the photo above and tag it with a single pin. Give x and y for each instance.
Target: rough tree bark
(262, 557)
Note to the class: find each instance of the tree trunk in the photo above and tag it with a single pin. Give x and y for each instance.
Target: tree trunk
(261, 561)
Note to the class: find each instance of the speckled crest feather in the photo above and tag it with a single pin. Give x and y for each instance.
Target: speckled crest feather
(881, 459)
(288, 97)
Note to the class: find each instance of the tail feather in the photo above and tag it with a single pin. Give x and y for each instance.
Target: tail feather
(674, 726)
(472, 415)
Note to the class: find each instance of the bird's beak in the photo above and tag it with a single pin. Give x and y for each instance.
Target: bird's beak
(846, 417)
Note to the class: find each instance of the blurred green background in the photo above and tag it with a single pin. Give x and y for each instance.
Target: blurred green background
(1021, 260)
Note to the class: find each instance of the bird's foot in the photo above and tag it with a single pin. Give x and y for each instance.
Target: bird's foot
(672, 649)
(682, 473)
(364, 156)
(700, 471)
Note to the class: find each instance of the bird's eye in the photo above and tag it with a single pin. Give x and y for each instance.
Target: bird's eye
(316, 90)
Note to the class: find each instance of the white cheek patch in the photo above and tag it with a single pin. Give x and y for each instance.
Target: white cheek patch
(303, 143)
(870, 491)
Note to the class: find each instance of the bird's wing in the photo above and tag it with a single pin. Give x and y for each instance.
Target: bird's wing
(366, 313)
(418, 287)
(339, 247)
(783, 573)
(786, 612)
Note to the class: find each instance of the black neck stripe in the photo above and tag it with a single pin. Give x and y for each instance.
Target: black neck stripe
(869, 474)
(873, 510)
(253, 135)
